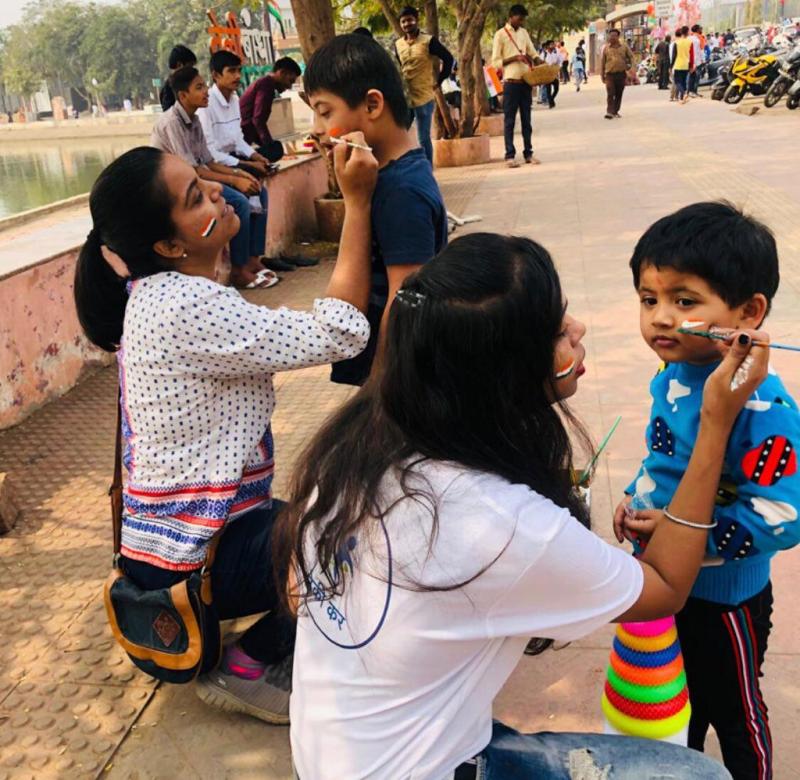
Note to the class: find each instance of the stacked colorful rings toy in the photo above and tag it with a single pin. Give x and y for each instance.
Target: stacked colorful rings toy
(645, 693)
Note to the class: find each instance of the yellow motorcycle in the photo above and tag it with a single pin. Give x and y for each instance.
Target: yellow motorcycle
(753, 74)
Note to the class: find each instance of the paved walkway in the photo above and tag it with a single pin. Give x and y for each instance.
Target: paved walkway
(71, 705)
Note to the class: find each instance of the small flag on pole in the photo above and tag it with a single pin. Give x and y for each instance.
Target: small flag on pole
(275, 12)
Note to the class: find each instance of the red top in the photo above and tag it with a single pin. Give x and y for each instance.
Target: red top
(256, 106)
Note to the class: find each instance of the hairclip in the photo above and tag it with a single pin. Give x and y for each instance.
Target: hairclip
(117, 264)
(410, 298)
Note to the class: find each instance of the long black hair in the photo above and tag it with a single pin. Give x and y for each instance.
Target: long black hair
(130, 207)
(466, 377)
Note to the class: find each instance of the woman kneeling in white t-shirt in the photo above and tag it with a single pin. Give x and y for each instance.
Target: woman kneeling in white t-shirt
(434, 530)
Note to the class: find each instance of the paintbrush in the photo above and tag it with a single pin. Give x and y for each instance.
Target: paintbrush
(333, 137)
(588, 470)
(707, 334)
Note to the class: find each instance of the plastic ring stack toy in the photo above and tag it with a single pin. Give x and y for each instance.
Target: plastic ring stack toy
(645, 693)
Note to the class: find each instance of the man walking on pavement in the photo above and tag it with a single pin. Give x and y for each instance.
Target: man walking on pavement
(552, 57)
(662, 53)
(615, 63)
(698, 48)
(415, 52)
(513, 51)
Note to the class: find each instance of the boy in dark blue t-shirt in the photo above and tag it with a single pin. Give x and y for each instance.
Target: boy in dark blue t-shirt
(352, 84)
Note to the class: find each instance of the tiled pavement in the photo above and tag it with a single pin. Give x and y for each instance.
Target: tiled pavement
(71, 705)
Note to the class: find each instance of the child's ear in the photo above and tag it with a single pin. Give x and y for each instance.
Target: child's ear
(375, 103)
(754, 311)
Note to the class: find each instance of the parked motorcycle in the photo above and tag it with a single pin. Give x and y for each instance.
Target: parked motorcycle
(754, 74)
(722, 83)
(793, 96)
(788, 73)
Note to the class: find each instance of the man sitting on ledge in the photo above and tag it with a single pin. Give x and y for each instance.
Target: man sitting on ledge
(179, 132)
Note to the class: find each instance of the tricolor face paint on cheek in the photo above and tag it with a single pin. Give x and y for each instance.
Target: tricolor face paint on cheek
(209, 228)
(692, 324)
(566, 369)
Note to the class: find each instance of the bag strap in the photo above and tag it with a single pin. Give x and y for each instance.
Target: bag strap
(115, 491)
(511, 38)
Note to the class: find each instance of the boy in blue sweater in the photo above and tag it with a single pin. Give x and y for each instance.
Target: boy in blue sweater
(709, 266)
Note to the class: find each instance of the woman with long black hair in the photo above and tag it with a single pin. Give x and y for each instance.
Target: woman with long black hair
(434, 528)
(196, 363)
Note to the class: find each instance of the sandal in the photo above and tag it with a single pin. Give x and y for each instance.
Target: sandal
(263, 281)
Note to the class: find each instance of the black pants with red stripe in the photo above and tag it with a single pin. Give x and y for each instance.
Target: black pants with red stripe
(723, 650)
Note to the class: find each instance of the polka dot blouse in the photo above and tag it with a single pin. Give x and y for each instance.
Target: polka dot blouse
(196, 366)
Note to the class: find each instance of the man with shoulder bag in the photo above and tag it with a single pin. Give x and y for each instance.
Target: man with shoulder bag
(514, 52)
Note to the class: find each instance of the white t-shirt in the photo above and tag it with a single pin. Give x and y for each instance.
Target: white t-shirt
(393, 683)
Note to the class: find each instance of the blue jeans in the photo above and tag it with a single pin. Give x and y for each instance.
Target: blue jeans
(251, 238)
(680, 83)
(511, 756)
(423, 115)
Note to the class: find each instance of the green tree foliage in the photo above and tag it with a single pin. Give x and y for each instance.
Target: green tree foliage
(118, 54)
(123, 47)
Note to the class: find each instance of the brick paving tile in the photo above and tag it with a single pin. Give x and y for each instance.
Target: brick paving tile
(71, 705)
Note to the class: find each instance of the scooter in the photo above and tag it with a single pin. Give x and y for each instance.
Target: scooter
(753, 74)
(788, 73)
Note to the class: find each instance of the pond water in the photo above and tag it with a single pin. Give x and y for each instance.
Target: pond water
(40, 172)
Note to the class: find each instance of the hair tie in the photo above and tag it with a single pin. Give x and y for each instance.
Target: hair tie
(410, 298)
(117, 264)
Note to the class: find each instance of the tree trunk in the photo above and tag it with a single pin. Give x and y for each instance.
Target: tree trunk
(431, 18)
(314, 19)
(471, 16)
(481, 95)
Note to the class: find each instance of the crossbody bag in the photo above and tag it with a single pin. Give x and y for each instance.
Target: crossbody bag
(171, 634)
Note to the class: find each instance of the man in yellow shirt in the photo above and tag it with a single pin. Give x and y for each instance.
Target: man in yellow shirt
(513, 51)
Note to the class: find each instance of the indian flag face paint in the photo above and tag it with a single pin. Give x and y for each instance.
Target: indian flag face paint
(692, 324)
(566, 370)
(209, 228)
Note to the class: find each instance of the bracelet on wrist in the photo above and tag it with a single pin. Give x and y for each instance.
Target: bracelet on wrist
(689, 523)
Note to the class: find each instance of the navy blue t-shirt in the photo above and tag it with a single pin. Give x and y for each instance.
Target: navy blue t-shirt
(409, 227)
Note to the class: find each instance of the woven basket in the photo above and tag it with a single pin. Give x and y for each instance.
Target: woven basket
(541, 74)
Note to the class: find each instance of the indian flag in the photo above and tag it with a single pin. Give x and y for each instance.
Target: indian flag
(275, 12)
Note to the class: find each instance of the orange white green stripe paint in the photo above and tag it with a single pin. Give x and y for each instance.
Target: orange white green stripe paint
(566, 369)
(209, 228)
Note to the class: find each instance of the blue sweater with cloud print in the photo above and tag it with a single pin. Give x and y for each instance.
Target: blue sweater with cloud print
(759, 492)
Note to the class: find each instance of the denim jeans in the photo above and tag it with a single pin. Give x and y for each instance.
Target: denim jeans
(241, 583)
(251, 238)
(511, 756)
(423, 115)
(517, 97)
(680, 83)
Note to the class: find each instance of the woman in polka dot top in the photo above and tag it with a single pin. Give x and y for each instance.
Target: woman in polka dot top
(196, 366)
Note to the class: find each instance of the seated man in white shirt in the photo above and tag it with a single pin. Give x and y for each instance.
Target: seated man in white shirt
(222, 125)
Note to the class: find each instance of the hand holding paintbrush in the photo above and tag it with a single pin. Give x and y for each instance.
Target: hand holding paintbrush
(724, 334)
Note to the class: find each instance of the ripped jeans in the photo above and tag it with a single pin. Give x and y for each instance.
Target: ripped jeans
(511, 756)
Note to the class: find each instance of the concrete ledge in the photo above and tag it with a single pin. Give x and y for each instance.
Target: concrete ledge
(43, 352)
(33, 214)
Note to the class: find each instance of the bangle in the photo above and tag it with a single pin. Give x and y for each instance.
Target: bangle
(688, 523)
